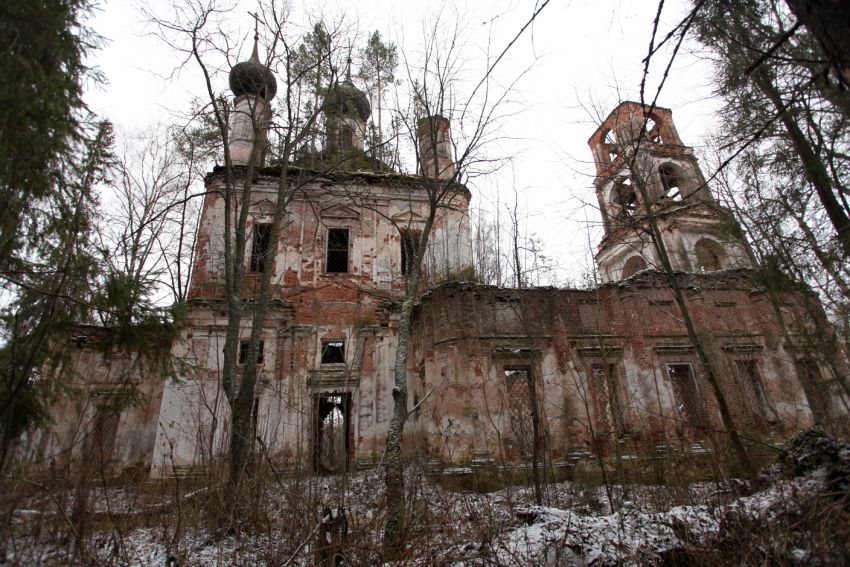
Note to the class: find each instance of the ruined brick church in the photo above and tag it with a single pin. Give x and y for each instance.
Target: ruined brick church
(612, 364)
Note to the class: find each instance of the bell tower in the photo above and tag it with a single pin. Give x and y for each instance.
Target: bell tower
(644, 171)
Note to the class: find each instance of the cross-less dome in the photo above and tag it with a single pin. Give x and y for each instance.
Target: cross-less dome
(346, 99)
(253, 78)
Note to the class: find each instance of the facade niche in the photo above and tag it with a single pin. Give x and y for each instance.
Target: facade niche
(337, 256)
(346, 137)
(633, 265)
(709, 255)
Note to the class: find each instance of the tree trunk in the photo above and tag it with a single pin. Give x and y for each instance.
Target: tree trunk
(827, 20)
(535, 429)
(693, 336)
(394, 469)
(813, 167)
(243, 426)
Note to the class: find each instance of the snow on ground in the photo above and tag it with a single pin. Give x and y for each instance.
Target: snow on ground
(579, 525)
(630, 536)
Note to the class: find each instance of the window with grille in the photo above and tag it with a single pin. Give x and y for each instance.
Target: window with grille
(519, 410)
(691, 404)
(605, 394)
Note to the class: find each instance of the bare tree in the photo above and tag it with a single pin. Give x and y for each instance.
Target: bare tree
(435, 103)
(249, 133)
(150, 215)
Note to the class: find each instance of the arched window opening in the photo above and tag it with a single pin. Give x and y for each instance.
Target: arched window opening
(611, 148)
(670, 182)
(710, 256)
(626, 196)
(653, 131)
(633, 265)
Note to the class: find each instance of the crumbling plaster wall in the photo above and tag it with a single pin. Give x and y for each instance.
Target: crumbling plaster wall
(194, 422)
(680, 234)
(467, 335)
(357, 306)
(110, 420)
(373, 211)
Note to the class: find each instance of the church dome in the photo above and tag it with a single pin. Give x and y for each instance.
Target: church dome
(253, 78)
(345, 99)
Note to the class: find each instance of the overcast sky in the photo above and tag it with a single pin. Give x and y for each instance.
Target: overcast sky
(579, 57)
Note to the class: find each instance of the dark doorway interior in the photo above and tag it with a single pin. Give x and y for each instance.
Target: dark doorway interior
(332, 432)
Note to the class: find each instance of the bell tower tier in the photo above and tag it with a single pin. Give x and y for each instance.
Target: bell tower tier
(645, 173)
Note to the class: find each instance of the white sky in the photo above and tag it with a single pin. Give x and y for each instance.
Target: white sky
(579, 55)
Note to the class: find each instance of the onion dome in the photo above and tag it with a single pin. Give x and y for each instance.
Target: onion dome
(347, 100)
(253, 78)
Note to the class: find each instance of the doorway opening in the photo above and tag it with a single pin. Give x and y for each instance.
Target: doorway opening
(332, 432)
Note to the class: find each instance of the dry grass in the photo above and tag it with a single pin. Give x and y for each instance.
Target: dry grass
(453, 519)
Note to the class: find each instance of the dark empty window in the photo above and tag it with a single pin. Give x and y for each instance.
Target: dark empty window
(261, 247)
(243, 352)
(409, 246)
(814, 387)
(333, 352)
(337, 261)
(709, 255)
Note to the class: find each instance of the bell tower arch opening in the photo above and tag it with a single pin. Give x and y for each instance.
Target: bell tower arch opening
(710, 256)
(671, 181)
(648, 183)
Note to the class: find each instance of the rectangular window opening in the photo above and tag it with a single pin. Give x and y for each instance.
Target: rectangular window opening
(687, 395)
(333, 352)
(337, 259)
(606, 399)
(409, 247)
(755, 397)
(520, 438)
(244, 346)
(261, 247)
